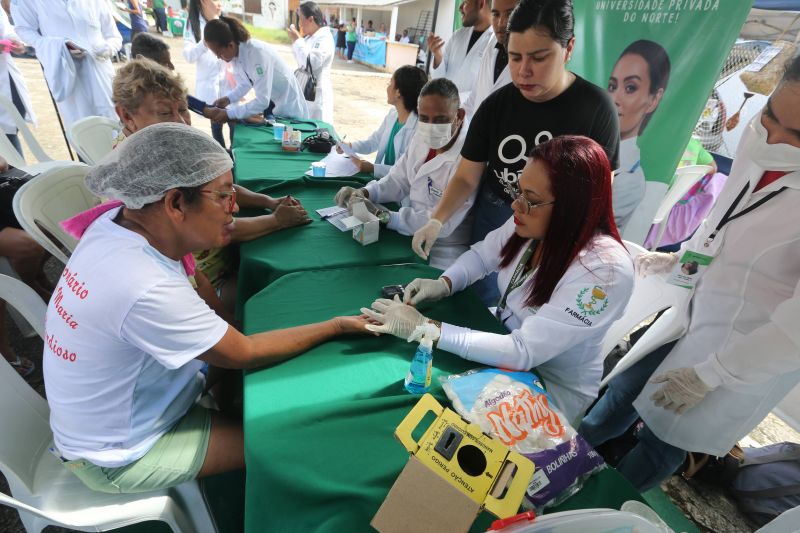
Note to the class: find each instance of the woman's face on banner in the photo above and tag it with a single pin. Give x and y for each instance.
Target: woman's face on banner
(630, 87)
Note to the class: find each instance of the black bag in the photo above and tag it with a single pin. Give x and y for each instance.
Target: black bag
(308, 82)
(320, 143)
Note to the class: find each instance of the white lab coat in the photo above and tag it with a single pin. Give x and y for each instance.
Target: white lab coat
(321, 48)
(743, 325)
(259, 67)
(484, 84)
(47, 26)
(628, 186)
(459, 66)
(422, 185)
(8, 68)
(380, 139)
(210, 82)
(561, 340)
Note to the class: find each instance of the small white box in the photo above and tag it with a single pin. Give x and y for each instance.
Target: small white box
(364, 224)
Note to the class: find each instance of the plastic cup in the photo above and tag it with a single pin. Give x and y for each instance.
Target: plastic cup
(277, 130)
(318, 170)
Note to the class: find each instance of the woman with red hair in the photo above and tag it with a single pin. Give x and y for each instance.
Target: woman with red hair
(563, 273)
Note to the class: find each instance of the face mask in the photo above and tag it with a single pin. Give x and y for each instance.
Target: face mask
(434, 135)
(782, 157)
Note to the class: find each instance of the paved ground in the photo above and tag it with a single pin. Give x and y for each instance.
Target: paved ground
(359, 108)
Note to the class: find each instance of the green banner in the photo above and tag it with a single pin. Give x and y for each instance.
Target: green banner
(659, 60)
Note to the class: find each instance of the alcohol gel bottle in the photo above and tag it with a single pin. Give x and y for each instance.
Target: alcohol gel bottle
(418, 379)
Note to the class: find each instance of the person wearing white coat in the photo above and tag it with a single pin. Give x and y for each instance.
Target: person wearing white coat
(393, 136)
(256, 66)
(317, 49)
(460, 58)
(563, 271)
(740, 354)
(422, 173)
(74, 41)
(12, 85)
(210, 78)
(493, 72)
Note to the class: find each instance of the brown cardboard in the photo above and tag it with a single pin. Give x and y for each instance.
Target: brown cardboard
(420, 501)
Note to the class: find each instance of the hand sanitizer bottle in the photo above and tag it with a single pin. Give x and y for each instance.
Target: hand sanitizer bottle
(418, 379)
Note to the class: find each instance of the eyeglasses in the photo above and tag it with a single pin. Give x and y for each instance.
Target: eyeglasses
(527, 204)
(229, 196)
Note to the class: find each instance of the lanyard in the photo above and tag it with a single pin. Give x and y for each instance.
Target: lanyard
(729, 216)
(517, 278)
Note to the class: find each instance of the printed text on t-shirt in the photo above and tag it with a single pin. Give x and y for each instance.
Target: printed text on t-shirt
(509, 178)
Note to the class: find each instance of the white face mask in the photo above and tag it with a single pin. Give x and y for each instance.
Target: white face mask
(434, 135)
(782, 157)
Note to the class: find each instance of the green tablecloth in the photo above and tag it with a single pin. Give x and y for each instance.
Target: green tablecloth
(319, 428)
(259, 161)
(318, 245)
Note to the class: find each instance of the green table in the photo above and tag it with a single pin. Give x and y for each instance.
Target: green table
(319, 444)
(259, 161)
(318, 245)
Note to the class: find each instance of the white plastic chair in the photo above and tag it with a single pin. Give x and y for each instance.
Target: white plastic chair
(786, 522)
(10, 153)
(92, 137)
(651, 295)
(44, 492)
(49, 198)
(685, 178)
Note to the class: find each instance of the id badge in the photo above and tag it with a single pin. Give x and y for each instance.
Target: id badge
(689, 268)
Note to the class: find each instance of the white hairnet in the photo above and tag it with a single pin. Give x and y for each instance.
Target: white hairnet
(156, 159)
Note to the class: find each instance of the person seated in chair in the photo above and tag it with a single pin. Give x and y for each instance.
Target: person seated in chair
(127, 337)
(420, 176)
(146, 93)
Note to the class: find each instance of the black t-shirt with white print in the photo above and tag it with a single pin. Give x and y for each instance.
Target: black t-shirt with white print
(506, 126)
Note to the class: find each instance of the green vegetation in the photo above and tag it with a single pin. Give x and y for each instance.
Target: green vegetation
(269, 35)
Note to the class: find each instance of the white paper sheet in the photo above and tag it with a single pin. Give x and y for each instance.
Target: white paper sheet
(337, 165)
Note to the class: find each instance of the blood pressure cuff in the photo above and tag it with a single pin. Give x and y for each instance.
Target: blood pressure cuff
(321, 143)
(514, 408)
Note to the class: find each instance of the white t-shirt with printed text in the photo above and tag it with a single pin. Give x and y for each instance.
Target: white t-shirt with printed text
(123, 331)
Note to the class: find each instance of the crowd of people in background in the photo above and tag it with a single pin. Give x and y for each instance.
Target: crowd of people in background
(513, 174)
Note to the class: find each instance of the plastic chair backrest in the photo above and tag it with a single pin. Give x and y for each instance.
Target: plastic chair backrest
(639, 304)
(786, 522)
(47, 199)
(685, 178)
(24, 415)
(10, 154)
(30, 140)
(93, 137)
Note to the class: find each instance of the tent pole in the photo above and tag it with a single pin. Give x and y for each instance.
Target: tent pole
(433, 30)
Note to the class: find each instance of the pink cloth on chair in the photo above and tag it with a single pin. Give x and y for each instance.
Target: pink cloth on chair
(78, 224)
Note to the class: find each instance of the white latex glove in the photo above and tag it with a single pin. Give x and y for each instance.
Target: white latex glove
(346, 194)
(654, 263)
(396, 318)
(102, 51)
(426, 290)
(424, 238)
(682, 390)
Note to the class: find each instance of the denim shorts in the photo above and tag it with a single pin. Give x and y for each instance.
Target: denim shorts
(175, 458)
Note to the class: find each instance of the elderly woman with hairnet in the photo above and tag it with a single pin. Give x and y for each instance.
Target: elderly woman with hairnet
(128, 338)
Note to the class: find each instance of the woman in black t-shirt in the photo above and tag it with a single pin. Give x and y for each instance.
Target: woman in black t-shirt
(543, 101)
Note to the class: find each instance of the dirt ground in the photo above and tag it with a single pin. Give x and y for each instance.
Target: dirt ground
(359, 107)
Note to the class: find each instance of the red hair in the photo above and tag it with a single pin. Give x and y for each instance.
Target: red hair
(580, 179)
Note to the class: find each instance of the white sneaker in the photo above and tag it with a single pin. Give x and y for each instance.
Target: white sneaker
(349, 60)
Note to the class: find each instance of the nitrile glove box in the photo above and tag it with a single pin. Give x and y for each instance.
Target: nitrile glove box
(364, 224)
